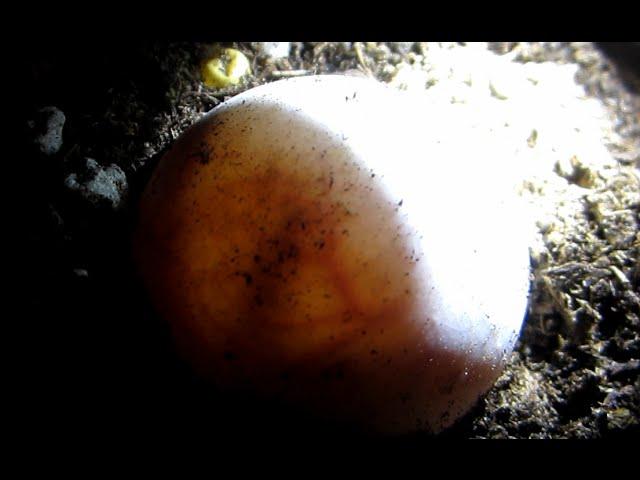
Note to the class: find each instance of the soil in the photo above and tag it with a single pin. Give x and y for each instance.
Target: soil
(96, 358)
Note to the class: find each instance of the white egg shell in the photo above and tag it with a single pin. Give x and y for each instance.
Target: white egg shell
(411, 275)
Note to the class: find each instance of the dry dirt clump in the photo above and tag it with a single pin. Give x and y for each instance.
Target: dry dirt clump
(565, 116)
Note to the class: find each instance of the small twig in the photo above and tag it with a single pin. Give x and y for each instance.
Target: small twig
(622, 278)
(361, 58)
(201, 94)
(71, 151)
(289, 73)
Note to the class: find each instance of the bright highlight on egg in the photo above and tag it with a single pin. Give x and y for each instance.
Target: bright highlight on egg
(327, 242)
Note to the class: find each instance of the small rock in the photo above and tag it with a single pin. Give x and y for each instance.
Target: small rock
(620, 398)
(47, 127)
(621, 419)
(80, 273)
(395, 58)
(501, 48)
(99, 185)
(276, 49)
(624, 371)
(575, 172)
(401, 48)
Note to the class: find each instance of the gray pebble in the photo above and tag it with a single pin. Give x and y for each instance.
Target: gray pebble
(276, 49)
(401, 47)
(47, 127)
(620, 398)
(624, 371)
(395, 58)
(80, 273)
(100, 185)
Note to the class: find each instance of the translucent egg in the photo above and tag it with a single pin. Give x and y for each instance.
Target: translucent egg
(333, 244)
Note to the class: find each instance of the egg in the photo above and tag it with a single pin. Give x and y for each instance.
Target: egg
(333, 244)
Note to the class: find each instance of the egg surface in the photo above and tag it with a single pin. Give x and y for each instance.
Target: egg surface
(328, 243)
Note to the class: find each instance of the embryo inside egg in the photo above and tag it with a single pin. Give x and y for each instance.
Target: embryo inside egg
(308, 242)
